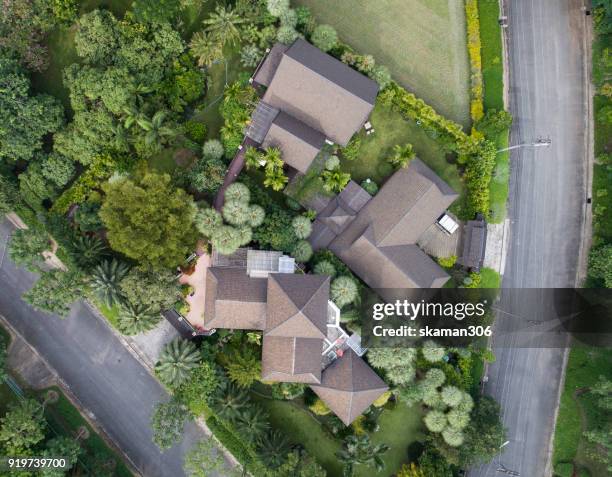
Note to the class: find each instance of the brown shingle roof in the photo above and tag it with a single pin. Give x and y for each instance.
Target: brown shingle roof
(297, 305)
(474, 244)
(291, 359)
(298, 142)
(234, 300)
(349, 386)
(379, 244)
(267, 69)
(321, 92)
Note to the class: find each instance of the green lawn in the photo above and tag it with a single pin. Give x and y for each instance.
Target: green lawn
(110, 313)
(422, 42)
(577, 411)
(399, 428)
(490, 278)
(493, 75)
(602, 176)
(391, 129)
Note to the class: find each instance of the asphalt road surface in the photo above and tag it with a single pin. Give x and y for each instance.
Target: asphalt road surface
(547, 197)
(104, 376)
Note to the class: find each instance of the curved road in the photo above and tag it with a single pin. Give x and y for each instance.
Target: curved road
(547, 201)
(104, 376)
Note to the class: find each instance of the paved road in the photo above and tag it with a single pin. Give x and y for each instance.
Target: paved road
(98, 370)
(547, 196)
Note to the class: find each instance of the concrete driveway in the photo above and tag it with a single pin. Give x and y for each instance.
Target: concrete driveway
(102, 374)
(547, 202)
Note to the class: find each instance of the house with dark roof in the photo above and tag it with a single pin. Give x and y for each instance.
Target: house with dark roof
(377, 236)
(293, 311)
(310, 98)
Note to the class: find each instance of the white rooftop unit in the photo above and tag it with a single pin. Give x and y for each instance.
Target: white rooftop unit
(286, 264)
(260, 263)
(448, 224)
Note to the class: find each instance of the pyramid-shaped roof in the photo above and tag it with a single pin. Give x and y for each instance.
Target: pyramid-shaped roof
(291, 359)
(349, 386)
(297, 305)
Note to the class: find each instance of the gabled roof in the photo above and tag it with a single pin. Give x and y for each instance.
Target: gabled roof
(379, 244)
(298, 142)
(474, 245)
(297, 305)
(349, 386)
(319, 91)
(291, 359)
(234, 300)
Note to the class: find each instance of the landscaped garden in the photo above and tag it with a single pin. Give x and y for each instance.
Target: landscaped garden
(131, 128)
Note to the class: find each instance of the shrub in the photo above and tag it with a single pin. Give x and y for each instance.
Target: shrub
(226, 239)
(213, 149)
(324, 37)
(250, 56)
(236, 212)
(432, 352)
(256, 215)
(237, 192)
(302, 251)
(351, 151)
(302, 227)
(382, 399)
(431, 398)
(325, 267)
(466, 404)
(196, 131)
(277, 7)
(343, 291)
(447, 262)
(382, 76)
(207, 221)
(287, 35)
(451, 395)
(457, 419)
(453, 437)
(494, 122)
(473, 41)
(435, 377)
(319, 408)
(332, 163)
(369, 186)
(288, 18)
(435, 421)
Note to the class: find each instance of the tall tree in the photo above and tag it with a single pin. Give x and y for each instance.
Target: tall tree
(167, 423)
(134, 319)
(273, 448)
(22, 427)
(204, 459)
(55, 291)
(148, 220)
(360, 450)
(205, 48)
(176, 362)
(223, 24)
(87, 251)
(26, 247)
(25, 119)
(152, 287)
(106, 278)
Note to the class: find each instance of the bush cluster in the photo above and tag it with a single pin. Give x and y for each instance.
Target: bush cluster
(473, 40)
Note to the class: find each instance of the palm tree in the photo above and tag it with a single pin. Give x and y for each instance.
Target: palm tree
(134, 116)
(205, 48)
(223, 25)
(273, 158)
(402, 155)
(230, 401)
(253, 423)
(276, 180)
(88, 251)
(156, 133)
(105, 280)
(274, 448)
(134, 319)
(253, 158)
(359, 450)
(177, 360)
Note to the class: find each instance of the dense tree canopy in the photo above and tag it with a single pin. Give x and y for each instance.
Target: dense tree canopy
(55, 292)
(148, 220)
(25, 119)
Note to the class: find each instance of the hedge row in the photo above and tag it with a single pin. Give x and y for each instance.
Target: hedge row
(473, 41)
(233, 443)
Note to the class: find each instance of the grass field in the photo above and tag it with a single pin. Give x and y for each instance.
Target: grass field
(578, 412)
(493, 75)
(422, 42)
(392, 129)
(399, 428)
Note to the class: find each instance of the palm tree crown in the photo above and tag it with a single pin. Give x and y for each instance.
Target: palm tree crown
(223, 24)
(105, 280)
(176, 362)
